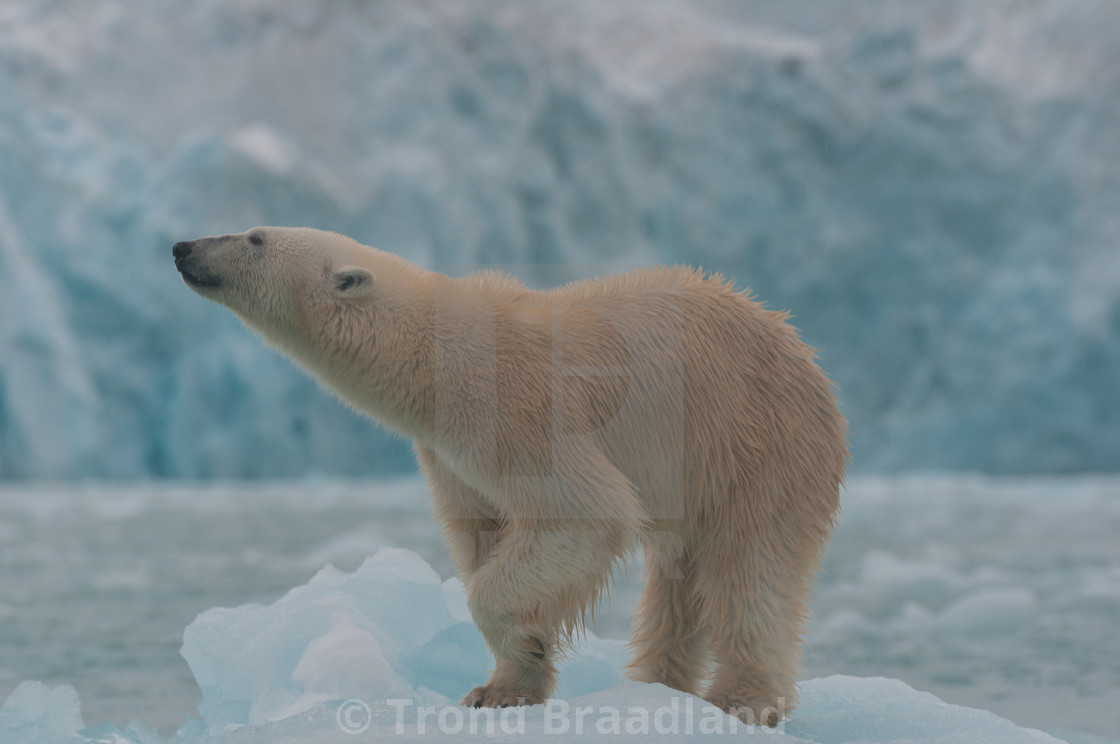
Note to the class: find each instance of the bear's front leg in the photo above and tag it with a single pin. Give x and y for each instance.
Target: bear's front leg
(535, 589)
(527, 679)
(558, 542)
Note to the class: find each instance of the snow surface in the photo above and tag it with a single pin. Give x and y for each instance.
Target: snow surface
(358, 656)
(930, 187)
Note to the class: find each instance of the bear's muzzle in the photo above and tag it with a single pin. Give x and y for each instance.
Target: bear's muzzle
(191, 268)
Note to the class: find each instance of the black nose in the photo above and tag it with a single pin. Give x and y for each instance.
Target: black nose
(182, 250)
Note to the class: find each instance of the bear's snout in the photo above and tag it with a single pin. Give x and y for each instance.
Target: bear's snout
(193, 271)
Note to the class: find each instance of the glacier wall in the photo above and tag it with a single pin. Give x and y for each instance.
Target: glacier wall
(931, 189)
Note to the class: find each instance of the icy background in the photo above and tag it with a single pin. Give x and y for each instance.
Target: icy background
(930, 187)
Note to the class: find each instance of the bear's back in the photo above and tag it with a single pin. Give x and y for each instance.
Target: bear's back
(665, 368)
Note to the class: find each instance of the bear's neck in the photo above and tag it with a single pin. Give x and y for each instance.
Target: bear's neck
(380, 358)
(421, 359)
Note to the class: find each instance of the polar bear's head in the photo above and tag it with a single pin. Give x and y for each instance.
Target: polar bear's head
(279, 280)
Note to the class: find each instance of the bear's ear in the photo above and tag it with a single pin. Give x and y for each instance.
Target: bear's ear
(352, 281)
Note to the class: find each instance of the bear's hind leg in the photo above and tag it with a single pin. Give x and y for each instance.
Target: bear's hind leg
(753, 579)
(669, 642)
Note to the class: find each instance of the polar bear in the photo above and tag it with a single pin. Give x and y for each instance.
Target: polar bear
(560, 429)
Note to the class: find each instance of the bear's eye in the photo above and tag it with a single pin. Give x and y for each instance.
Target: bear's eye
(256, 239)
